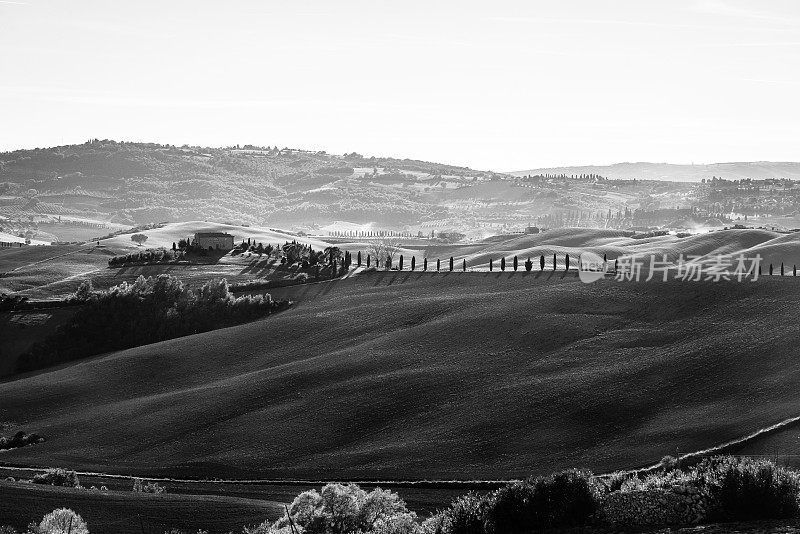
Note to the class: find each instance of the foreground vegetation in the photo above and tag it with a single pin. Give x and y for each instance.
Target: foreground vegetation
(148, 310)
(719, 489)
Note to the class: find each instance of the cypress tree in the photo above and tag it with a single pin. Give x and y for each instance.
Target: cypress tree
(781, 268)
(451, 264)
(554, 262)
(794, 271)
(174, 246)
(413, 262)
(358, 258)
(503, 263)
(566, 263)
(528, 265)
(541, 262)
(516, 264)
(490, 265)
(400, 264)
(388, 263)
(464, 265)
(615, 265)
(770, 269)
(605, 259)
(367, 261)
(438, 264)
(424, 264)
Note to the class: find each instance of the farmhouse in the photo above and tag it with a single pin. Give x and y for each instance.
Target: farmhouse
(213, 240)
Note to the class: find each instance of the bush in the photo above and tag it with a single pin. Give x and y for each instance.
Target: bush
(62, 521)
(342, 509)
(151, 487)
(746, 489)
(511, 509)
(58, 477)
(20, 439)
(669, 463)
(466, 515)
(565, 499)
(5, 529)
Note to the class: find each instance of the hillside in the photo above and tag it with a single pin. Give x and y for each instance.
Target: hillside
(759, 170)
(107, 182)
(421, 376)
(80, 192)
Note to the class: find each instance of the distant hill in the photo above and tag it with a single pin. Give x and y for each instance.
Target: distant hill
(133, 183)
(757, 170)
(414, 376)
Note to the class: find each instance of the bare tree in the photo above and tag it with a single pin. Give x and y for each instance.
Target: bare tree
(382, 249)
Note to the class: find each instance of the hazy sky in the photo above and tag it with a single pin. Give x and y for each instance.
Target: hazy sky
(500, 85)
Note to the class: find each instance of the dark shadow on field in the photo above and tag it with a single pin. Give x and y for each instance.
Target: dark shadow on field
(379, 278)
(259, 267)
(329, 285)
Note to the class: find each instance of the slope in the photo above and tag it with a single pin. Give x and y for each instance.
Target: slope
(411, 375)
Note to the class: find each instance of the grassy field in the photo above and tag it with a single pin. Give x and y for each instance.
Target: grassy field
(125, 512)
(53, 271)
(430, 376)
(423, 499)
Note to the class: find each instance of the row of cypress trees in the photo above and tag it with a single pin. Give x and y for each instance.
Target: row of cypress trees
(528, 265)
(401, 263)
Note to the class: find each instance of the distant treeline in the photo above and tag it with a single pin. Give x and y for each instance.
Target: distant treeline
(149, 310)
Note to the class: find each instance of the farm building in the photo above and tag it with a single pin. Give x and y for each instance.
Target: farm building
(213, 240)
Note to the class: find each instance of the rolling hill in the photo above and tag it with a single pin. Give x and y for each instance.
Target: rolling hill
(391, 375)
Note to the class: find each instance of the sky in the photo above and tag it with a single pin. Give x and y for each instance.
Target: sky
(502, 85)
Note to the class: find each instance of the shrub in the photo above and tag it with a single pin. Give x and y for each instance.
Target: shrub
(466, 515)
(20, 439)
(669, 463)
(565, 499)
(748, 489)
(511, 509)
(435, 524)
(614, 481)
(5, 529)
(151, 487)
(62, 521)
(341, 509)
(58, 477)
